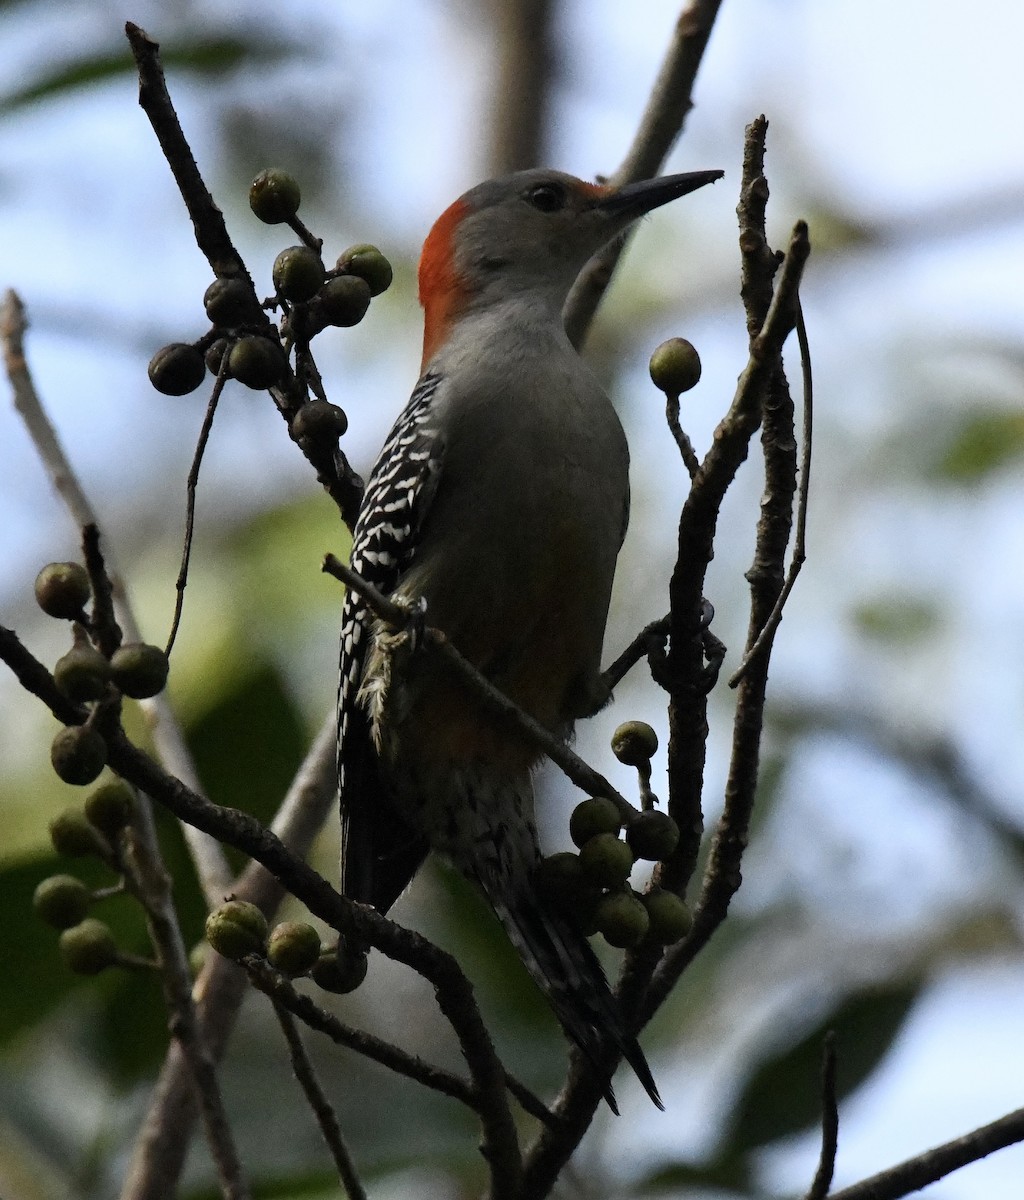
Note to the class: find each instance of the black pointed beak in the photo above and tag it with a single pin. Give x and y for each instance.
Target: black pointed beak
(635, 199)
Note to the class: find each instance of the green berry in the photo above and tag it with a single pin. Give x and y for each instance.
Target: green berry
(339, 972)
(230, 302)
(367, 263)
(622, 919)
(257, 362)
(652, 835)
(298, 274)
(591, 817)
(319, 420)
(344, 300)
(62, 901)
(237, 928)
(274, 196)
(634, 743)
(73, 836)
(606, 861)
(294, 947)
(669, 916)
(88, 948)
(177, 369)
(62, 590)
(78, 754)
(82, 674)
(139, 670)
(675, 366)
(110, 807)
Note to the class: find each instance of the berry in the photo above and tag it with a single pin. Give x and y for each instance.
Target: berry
(139, 670)
(634, 743)
(82, 674)
(669, 916)
(230, 301)
(73, 836)
(274, 196)
(62, 589)
(344, 300)
(675, 366)
(367, 263)
(298, 274)
(591, 817)
(652, 835)
(339, 972)
(294, 947)
(622, 919)
(319, 419)
(62, 901)
(237, 928)
(88, 948)
(606, 861)
(257, 362)
(177, 369)
(110, 807)
(78, 754)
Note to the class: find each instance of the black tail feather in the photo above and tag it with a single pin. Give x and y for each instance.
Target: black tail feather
(567, 971)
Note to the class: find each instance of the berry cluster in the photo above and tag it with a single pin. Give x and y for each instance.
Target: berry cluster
(238, 928)
(87, 676)
(242, 342)
(592, 887)
(87, 945)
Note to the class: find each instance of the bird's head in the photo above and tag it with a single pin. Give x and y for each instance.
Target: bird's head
(530, 233)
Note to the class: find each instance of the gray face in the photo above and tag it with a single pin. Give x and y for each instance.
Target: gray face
(536, 229)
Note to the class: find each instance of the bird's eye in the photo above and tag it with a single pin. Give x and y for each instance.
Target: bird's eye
(548, 197)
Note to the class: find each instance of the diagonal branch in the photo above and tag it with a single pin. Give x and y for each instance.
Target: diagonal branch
(660, 126)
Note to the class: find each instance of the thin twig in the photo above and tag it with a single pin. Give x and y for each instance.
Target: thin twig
(399, 617)
(283, 993)
(767, 633)
(651, 635)
(680, 436)
(325, 1115)
(916, 1173)
(191, 484)
(829, 1122)
(147, 878)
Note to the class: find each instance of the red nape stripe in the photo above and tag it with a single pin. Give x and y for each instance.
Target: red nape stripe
(442, 292)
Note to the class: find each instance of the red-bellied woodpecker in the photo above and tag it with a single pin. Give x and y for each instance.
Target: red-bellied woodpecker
(500, 499)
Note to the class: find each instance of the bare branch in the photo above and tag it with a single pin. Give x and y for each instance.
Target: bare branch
(829, 1122)
(285, 995)
(916, 1173)
(766, 636)
(325, 1115)
(660, 126)
(147, 878)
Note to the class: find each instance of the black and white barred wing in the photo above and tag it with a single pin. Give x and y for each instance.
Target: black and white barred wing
(379, 853)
